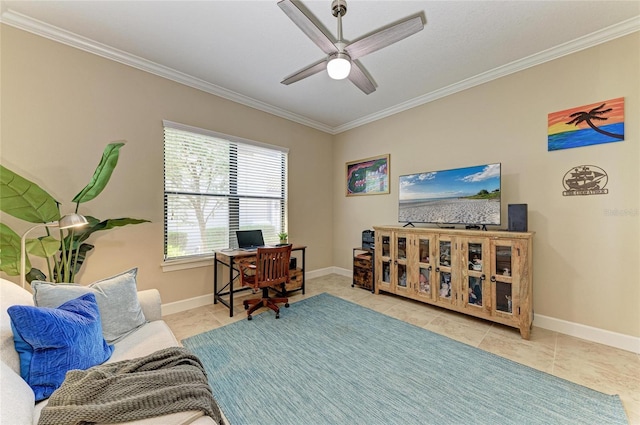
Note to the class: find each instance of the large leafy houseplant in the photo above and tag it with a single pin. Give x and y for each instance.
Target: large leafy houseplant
(27, 201)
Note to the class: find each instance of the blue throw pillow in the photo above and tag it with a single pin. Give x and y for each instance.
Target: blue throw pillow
(52, 341)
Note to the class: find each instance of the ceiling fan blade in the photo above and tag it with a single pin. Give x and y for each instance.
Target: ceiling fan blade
(305, 72)
(385, 37)
(360, 79)
(315, 33)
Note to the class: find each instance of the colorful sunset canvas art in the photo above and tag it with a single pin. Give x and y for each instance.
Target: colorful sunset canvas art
(601, 122)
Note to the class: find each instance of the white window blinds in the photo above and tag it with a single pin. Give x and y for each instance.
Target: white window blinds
(215, 184)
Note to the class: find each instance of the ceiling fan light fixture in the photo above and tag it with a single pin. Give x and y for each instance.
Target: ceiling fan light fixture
(339, 66)
(340, 53)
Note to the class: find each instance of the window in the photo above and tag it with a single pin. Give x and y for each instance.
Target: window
(215, 184)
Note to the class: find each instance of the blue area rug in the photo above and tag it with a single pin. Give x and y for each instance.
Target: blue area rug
(330, 361)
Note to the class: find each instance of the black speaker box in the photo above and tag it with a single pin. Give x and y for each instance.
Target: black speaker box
(517, 217)
(368, 239)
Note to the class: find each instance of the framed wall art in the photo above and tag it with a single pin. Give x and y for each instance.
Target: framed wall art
(601, 122)
(368, 176)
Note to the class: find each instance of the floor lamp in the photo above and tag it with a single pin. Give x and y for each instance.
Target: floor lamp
(66, 222)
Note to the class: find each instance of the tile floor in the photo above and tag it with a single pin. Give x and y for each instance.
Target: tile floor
(600, 367)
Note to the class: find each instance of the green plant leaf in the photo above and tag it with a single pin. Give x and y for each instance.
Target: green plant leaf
(26, 200)
(10, 251)
(82, 234)
(76, 261)
(119, 222)
(35, 274)
(102, 174)
(43, 247)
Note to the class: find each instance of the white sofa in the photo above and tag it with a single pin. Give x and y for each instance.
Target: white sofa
(17, 405)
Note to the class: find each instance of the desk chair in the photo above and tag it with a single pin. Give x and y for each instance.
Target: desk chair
(271, 270)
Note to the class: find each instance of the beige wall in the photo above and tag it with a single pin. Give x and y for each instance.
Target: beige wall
(586, 259)
(57, 100)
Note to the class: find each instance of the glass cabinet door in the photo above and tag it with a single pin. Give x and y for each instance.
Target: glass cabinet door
(402, 275)
(401, 248)
(424, 253)
(445, 285)
(475, 257)
(406, 274)
(424, 287)
(444, 271)
(445, 254)
(386, 246)
(386, 272)
(474, 291)
(501, 277)
(504, 297)
(503, 260)
(424, 281)
(475, 253)
(385, 269)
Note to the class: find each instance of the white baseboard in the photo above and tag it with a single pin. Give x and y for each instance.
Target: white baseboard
(601, 336)
(202, 300)
(320, 272)
(342, 272)
(188, 304)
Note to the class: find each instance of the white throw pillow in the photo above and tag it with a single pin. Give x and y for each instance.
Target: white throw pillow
(117, 299)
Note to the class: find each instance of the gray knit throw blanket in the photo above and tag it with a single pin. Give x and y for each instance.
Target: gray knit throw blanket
(167, 381)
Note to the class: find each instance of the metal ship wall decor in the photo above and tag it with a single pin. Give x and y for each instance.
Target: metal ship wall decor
(585, 180)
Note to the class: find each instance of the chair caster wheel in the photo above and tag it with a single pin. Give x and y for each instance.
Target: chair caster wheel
(286, 305)
(249, 317)
(277, 316)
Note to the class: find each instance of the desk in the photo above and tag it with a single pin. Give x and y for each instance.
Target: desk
(228, 259)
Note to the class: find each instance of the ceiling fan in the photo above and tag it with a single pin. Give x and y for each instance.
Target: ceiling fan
(340, 61)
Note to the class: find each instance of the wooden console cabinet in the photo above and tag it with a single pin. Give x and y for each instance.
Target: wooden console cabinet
(486, 274)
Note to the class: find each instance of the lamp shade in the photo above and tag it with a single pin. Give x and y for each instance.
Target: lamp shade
(66, 222)
(72, 220)
(339, 66)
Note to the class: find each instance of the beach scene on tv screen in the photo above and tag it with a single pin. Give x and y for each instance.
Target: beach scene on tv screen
(468, 195)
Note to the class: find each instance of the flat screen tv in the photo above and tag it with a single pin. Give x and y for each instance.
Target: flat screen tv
(469, 195)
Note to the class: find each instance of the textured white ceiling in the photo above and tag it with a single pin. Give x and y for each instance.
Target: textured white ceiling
(242, 49)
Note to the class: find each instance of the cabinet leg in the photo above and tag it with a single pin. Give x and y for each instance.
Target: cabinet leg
(525, 332)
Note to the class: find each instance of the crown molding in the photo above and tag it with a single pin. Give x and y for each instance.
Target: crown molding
(24, 22)
(51, 32)
(602, 36)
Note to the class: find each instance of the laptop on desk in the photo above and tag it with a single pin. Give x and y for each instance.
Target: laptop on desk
(249, 240)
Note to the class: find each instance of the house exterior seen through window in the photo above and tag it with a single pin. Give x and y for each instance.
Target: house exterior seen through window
(215, 184)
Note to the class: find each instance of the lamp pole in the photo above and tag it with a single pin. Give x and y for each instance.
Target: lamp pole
(66, 222)
(23, 250)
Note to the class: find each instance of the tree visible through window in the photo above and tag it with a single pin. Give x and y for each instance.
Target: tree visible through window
(216, 184)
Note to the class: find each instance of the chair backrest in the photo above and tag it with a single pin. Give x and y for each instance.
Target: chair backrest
(272, 265)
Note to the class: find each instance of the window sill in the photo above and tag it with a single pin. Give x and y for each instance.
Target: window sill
(191, 263)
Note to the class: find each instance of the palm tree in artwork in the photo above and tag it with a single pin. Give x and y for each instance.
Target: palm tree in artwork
(594, 114)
